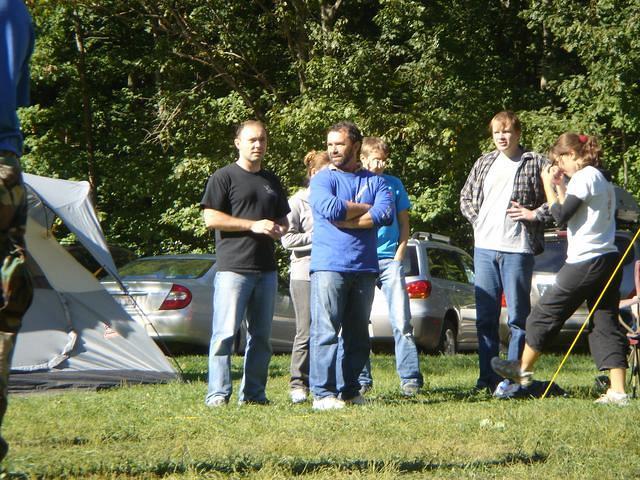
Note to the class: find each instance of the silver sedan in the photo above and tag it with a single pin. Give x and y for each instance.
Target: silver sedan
(172, 297)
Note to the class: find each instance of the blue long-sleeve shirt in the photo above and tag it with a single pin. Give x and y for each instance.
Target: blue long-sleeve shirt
(16, 46)
(347, 249)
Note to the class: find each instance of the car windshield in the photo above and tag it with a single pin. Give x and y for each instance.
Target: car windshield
(167, 268)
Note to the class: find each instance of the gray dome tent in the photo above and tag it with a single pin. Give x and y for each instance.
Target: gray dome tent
(75, 334)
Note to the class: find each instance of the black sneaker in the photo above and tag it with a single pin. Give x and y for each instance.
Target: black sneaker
(511, 369)
(364, 388)
(410, 388)
(4, 448)
(261, 401)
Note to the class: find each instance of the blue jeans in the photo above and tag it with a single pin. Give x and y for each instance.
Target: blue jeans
(339, 301)
(391, 281)
(495, 273)
(234, 295)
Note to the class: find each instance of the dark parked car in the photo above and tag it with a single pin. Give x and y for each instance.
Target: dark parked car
(172, 297)
(441, 295)
(547, 265)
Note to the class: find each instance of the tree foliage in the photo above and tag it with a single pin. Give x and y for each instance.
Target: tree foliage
(140, 97)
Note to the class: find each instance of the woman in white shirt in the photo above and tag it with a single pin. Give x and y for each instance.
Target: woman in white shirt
(586, 204)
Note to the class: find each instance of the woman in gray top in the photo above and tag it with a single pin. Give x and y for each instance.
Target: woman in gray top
(298, 241)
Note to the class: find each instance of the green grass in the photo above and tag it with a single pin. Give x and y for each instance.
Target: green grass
(165, 431)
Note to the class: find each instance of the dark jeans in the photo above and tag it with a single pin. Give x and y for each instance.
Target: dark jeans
(300, 295)
(574, 284)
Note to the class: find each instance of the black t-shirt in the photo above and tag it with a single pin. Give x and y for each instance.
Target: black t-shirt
(252, 196)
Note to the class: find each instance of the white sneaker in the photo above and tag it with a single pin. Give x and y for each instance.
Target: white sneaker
(613, 398)
(327, 403)
(357, 400)
(217, 401)
(506, 389)
(298, 395)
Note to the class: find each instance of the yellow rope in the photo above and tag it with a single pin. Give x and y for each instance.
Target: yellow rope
(586, 321)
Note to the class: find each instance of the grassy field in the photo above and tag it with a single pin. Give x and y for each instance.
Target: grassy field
(448, 431)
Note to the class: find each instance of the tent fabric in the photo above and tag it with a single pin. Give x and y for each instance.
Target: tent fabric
(75, 334)
(71, 201)
(95, 380)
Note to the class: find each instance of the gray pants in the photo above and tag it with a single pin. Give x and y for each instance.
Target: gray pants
(300, 295)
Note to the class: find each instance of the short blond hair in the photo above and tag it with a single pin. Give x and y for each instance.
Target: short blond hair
(372, 144)
(507, 119)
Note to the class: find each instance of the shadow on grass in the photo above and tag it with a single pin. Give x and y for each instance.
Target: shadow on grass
(434, 396)
(275, 371)
(410, 466)
(298, 467)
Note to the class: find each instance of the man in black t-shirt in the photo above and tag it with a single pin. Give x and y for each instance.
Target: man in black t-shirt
(247, 207)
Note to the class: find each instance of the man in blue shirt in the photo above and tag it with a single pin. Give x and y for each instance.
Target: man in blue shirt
(16, 46)
(347, 203)
(392, 246)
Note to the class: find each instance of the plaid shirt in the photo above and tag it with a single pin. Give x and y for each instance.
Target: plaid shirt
(528, 191)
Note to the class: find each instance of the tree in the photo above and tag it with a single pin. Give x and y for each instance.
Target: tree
(594, 66)
(142, 97)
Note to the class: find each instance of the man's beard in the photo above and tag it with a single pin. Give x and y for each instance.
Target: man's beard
(346, 159)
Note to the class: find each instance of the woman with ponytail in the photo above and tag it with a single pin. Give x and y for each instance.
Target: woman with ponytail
(586, 204)
(298, 241)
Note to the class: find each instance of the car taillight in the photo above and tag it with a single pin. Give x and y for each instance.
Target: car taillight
(503, 301)
(177, 298)
(419, 289)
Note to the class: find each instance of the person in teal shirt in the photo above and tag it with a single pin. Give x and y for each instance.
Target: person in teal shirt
(392, 245)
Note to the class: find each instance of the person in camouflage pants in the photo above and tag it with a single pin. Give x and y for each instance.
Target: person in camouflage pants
(13, 215)
(16, 46)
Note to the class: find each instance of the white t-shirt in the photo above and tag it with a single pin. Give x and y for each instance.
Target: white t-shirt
(493, 229)
(592, 228)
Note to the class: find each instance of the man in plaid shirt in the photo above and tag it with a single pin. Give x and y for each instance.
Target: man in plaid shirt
(503, 199)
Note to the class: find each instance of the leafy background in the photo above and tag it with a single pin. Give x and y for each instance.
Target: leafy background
(140, 97)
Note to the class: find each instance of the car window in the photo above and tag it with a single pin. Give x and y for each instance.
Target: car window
(121, 256)
(553, 257)
(410, 262)
(467, 264)
(555, 254)
(446, 264)
(166, 268)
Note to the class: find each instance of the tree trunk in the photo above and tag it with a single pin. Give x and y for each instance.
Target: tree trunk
(87, 115)
(328, 14)
(543, 58)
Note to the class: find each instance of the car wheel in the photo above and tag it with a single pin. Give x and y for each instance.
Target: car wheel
(448, 338)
